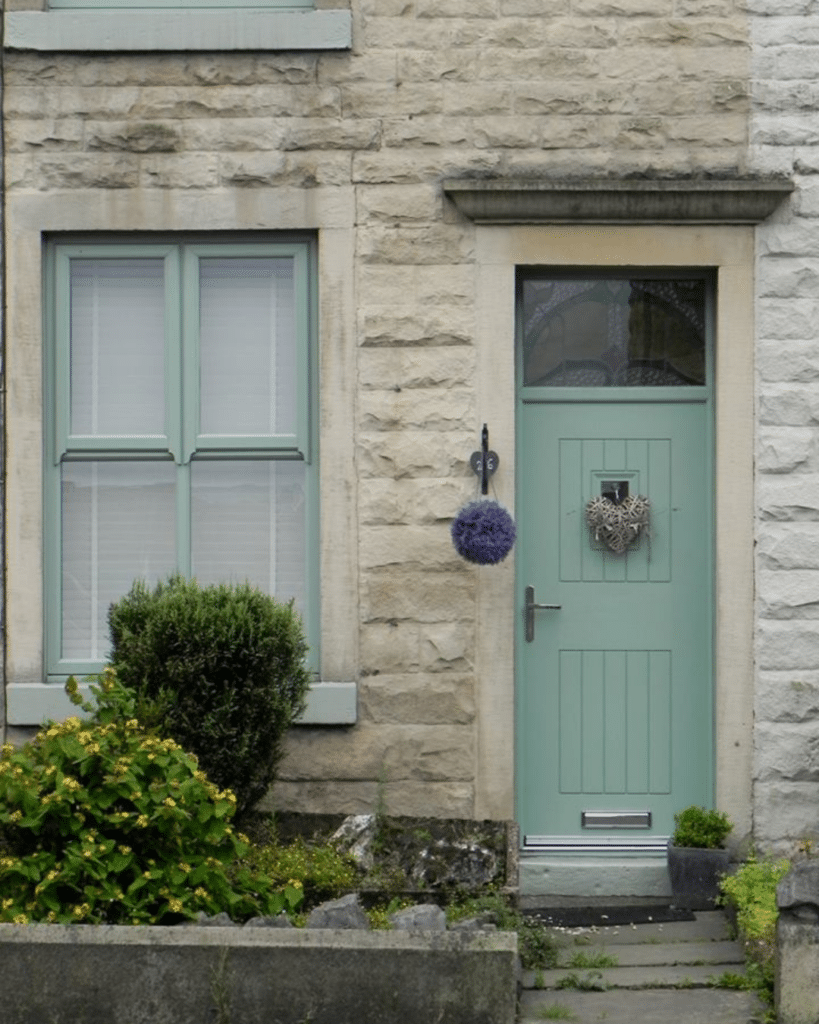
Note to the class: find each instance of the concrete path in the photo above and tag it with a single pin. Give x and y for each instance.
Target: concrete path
(643, 974)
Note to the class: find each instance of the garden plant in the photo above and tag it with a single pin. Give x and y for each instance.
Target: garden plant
(220, 669)
(750, 895)
(103, 822)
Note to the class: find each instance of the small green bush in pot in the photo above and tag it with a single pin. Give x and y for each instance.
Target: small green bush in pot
(101, 822)
(697, 858)
(701, 828)
(223, 669)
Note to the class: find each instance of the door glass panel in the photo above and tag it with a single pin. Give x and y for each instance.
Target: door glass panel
(613, 332)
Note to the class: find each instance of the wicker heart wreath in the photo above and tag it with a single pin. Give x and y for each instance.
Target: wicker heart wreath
(617, 525)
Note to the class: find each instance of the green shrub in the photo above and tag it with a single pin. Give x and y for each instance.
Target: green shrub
(222, 668)
(701, 828)
(751, 894)
(103, 823)
(322, 872)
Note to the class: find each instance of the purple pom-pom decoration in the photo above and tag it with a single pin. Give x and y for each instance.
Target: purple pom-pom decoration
(483, 532)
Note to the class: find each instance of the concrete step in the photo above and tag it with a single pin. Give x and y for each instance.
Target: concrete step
(653, 976)
(652, 1006)
(663, 972)
(708, 926)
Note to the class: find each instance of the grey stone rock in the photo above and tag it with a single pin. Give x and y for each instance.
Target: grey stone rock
(345, 913)
(800, 887)
(460, 863)
(354, 836)
(427, 917)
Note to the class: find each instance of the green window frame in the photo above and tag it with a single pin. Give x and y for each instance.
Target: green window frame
(130, 5)
(189, 388)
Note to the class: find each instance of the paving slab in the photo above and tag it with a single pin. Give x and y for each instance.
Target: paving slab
(709, 926)
(657, 1006)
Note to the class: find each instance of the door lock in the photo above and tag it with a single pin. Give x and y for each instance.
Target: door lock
(529, 612)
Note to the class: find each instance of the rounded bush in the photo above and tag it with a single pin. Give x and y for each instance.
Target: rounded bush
(483, 532)
(101, 822)
(222, 668)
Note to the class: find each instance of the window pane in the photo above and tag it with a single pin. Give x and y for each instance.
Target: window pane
(118, 524)
(613, 332)
(248, 523)
(247, 346)
(117, 346)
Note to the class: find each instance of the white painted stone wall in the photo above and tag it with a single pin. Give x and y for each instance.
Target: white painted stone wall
(431, 89)
(785, 139)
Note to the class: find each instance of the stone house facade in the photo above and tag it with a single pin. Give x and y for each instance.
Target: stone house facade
(422, 166)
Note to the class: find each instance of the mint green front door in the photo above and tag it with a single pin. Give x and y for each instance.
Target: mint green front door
(614, 684)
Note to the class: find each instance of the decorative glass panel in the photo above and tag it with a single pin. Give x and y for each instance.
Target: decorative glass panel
(248, 523)
(118, 521)
(117, 347)
(247, 342)
(613, 332)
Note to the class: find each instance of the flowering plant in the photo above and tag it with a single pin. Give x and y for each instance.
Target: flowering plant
(483, 532)
(102, 822)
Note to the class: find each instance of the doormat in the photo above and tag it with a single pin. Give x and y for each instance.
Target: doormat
(600, 917)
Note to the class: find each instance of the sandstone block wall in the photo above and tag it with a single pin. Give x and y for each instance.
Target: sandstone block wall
(784, 137)
(431, 89)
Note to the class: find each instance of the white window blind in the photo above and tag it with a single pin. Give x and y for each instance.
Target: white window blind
(117, 347)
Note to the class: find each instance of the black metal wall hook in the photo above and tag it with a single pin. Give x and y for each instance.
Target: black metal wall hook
(484, 463)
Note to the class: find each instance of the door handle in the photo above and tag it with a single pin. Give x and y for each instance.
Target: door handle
(529, 612)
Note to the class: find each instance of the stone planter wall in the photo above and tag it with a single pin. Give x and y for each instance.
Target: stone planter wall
(86, 974)
(797, 942)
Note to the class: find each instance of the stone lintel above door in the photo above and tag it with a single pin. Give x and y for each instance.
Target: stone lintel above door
(617, 201)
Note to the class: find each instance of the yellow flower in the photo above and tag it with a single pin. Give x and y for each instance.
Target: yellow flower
(72, 724)
(88, 854)
(8, 748)
(198, 891)
(184, 867)
(169, 801)
(6, 904)
(71, 784)
(84, 736)
(295, 883)
(124, 849)
(20, 919)
(175, 905)
(132, 723)
(142, 821)
(15, 815)
(52, 917)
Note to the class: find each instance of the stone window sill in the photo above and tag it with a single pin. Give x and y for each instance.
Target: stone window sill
(31, 703)
(177, 30)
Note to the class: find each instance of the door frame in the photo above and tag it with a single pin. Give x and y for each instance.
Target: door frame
(729, 250)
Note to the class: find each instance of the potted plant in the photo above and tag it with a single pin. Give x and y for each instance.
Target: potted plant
(697, 857)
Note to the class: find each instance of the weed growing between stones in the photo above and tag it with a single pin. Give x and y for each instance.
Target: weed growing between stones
(592, 960)
(750, 894)
(592, 981)
(537, 947)
(555, 1011)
